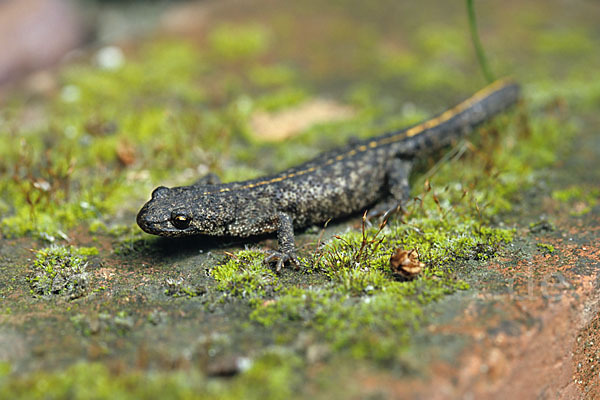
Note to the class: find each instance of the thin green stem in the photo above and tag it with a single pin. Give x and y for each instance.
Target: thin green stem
(485, 68)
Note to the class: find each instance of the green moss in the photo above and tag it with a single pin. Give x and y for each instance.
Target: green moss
(84, 381)
(571, 42)
(283, 98)
(5, 369)
(266, 76)
(245, 275)
(275, 374)
(237, 42)
(179, 288)
(377, 325)
(443, 41)
(86, 251)
(579, 199)
(566, 195)
(60, 271)
(397, 63)
(359, 281)
(545, 247)
(120, 323)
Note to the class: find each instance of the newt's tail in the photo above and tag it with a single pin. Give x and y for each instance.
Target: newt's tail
(457, 121)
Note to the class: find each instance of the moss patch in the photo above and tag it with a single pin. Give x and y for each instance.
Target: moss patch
(545, 247)
(579, 199)
(273, 375)
(245, 275)
(60, 271)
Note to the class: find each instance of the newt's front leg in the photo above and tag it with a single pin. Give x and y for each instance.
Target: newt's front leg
(287, 247)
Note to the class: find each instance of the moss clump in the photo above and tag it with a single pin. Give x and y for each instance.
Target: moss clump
(245, 275)
(545, 247)
(179, 288)
(60, 271)
(541, 226)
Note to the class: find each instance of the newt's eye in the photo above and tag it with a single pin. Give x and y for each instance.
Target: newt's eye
(180, 220)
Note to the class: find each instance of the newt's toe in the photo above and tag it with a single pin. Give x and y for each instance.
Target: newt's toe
(280, 259)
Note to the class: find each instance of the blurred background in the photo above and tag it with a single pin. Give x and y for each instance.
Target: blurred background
(339, 39)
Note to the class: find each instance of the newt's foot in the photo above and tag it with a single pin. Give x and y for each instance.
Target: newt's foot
(281, 258)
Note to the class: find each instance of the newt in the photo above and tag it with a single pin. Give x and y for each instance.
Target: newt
(332, 185)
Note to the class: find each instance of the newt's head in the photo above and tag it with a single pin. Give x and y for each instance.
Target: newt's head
(183, 211)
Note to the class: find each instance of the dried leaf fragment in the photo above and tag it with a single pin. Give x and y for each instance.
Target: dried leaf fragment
(125, 153)
(406, 263)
